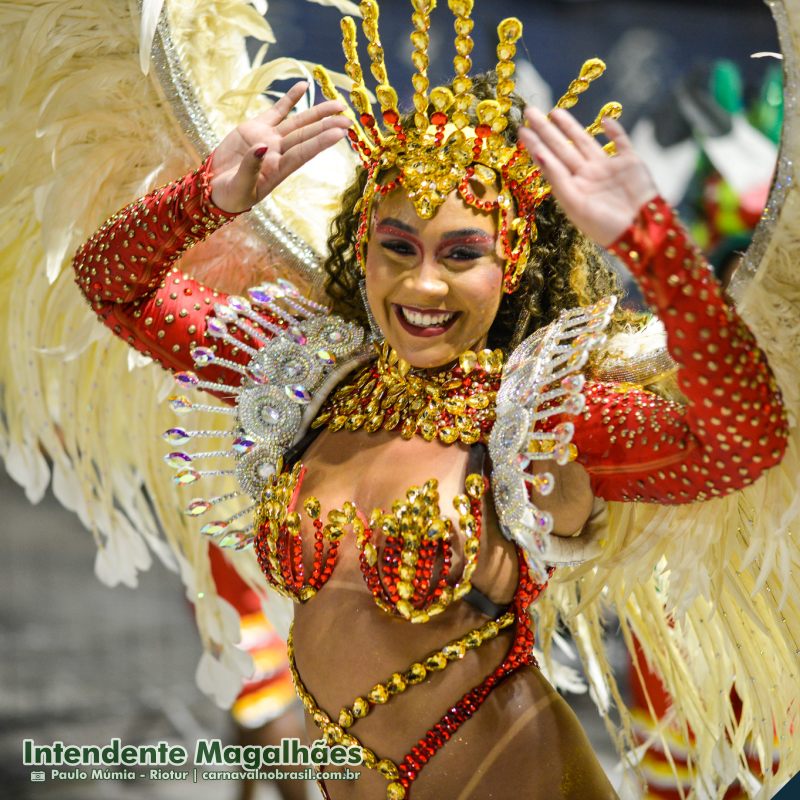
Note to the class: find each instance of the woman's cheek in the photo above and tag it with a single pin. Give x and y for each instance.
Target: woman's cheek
(490, 293)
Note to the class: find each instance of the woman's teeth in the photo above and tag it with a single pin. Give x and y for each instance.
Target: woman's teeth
(426, 319)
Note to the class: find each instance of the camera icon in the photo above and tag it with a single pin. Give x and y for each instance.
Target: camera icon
(37, 776)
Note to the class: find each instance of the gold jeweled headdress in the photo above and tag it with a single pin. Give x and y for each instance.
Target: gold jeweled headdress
(441, 152)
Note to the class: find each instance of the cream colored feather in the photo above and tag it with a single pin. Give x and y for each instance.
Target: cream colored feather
(83, 133)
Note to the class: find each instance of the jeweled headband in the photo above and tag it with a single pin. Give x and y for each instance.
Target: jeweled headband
(441, 152)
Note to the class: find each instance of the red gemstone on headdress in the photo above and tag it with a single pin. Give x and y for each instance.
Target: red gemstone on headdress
(483, 131)
(367, 119)
(439, 118)
(390, 116)
(352, 135)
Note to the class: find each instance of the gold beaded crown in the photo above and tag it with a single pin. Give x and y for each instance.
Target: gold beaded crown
(441, 152)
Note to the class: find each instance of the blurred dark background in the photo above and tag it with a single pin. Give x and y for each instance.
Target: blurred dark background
(648, 45)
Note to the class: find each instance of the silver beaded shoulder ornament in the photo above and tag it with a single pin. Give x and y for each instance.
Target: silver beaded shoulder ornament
(298, 362)
(276, 395)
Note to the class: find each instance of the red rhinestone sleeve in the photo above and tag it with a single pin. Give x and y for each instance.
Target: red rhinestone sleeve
(638, 446)
(126, 271)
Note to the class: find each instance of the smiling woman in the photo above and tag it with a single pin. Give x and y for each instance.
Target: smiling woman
(447, 230)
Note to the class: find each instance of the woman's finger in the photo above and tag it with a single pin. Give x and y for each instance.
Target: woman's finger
(303, 152)
(587, 145)
(275, 115)
(617, 134)
(310, 115)
(556, 142)
(558, 175)
(309, 131)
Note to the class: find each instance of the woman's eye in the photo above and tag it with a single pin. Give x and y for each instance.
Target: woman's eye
(398, 246)
(463, 254)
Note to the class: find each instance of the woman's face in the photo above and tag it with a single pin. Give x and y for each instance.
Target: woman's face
(434, 286)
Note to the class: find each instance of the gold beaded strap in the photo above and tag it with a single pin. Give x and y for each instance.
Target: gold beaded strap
(337, 732)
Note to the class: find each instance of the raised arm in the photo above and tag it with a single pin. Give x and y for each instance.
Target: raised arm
(127, 268)
(634, 444)
(638, 446)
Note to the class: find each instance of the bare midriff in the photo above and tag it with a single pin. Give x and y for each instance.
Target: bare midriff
(524, 741)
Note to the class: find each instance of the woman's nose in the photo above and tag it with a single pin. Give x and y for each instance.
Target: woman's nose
(428, 279)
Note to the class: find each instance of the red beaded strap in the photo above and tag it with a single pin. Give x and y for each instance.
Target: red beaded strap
(519, 655)
(403, 774)
(281, 561)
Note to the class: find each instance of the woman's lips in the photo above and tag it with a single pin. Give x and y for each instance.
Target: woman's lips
(424, 322)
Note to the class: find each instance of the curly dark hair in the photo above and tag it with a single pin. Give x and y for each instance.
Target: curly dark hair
(564, 269)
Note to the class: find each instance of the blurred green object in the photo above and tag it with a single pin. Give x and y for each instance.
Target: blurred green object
(766, 113)
(727, 87)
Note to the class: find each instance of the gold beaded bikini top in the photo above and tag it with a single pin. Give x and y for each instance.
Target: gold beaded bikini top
(293, 353)
(405, 554)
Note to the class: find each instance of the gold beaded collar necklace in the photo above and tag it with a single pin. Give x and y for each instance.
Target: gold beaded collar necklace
(451, 405)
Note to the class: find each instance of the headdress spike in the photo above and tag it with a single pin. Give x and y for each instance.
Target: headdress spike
(330, 92)
(352, 64)
(421, 19)
(590, 71)
(369, 24)
(508, 31)
(462, 63)
(358, 94)
(613, 110)
(387, 96)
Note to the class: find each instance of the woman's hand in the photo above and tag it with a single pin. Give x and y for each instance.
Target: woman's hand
(255, 157)
(601, 195)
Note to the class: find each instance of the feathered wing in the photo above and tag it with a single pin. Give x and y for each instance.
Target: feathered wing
(710, 590)
(85, 131)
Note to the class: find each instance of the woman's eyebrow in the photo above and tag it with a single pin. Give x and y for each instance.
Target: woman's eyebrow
(467, 233)
(462, 233)
(391, 222)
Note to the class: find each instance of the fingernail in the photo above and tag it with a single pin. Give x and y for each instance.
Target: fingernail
(260, 153)
(540, 159)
